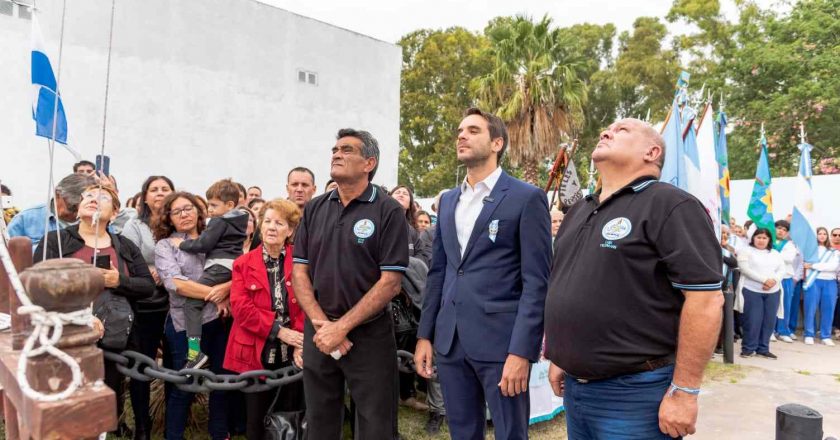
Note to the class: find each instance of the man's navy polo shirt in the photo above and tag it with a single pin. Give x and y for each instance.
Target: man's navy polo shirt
(614, 293)
(347, 248)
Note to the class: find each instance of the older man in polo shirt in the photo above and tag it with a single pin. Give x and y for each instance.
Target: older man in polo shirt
(634, 301)
(350, 255)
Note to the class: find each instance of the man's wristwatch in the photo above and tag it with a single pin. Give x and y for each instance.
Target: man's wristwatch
(674, 388)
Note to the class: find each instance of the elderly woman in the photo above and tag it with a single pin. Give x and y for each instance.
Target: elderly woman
(128, 275)
(179, 272)
(267, 328)
(151, 312)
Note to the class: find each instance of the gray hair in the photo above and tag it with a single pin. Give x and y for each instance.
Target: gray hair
(70, 190)
(370, 147)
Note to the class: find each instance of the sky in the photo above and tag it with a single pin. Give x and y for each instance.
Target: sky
(389, 20)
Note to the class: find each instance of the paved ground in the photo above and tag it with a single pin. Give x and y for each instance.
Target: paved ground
(745, 410)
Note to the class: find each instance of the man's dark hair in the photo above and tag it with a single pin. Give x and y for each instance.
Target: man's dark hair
(255, 186)
(82, 163)
(747, 224)
(783, 224)
(5, 190)
(242, 189)
(301, 170)
(144, 212)
(370, 147)
(496, 126)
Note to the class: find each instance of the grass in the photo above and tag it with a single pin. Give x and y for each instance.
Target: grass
(721, 372)
(412, 424)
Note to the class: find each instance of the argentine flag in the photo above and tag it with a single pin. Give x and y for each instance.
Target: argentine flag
(673, 170)
(803, 226)
(44, 89)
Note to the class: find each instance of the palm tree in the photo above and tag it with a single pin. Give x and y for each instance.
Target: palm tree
(536, 86)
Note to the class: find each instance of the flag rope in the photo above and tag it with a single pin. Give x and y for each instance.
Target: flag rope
(104, 125)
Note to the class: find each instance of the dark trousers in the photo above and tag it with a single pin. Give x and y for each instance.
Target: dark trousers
(115, 381)
(467, 384)
(621, 408)
(258, 404)
(759, 320)
(194, 308)
(178, 403)
(146, 337)
(407, 341)
(370, 370)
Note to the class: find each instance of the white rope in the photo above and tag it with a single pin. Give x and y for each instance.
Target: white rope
(47, 330)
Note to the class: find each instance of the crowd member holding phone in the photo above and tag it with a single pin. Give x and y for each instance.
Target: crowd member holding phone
(120, 261)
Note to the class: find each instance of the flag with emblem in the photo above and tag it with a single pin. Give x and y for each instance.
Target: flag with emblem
(722, 156)
(49, 117)
(760, 210)
(802, 225)
(570, 189)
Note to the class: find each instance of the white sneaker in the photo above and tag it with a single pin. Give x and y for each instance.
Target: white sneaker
(809, 340)
(786, 339)
(828, 342)
(773, 338)
(793, 336)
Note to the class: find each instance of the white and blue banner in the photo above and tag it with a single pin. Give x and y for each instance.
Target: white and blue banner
(802, 225)
(48, 118)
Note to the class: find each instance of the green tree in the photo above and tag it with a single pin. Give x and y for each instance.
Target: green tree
(438, 66)
(536, 86)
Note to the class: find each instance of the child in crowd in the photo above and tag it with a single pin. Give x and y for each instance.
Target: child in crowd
(221, 242)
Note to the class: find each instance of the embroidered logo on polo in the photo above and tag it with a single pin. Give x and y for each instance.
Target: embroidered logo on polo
(615, 229)
(363, 229)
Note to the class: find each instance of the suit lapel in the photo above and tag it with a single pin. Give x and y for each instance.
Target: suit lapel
(450, 233)
(490, 204)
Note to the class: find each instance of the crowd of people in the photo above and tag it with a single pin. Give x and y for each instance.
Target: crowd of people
(488, 283)
(774, 286)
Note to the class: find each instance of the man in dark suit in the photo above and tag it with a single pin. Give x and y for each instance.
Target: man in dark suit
(483, 309)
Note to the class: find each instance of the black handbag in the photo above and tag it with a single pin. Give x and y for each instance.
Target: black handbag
(284, 425)
(404, 320)
(117, 317)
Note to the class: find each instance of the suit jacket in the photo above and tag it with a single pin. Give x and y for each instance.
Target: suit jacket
(253, 317)
(495, 295)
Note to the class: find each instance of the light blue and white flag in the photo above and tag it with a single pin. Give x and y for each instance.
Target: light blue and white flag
(673, 170)
(47, 117)
(802, 225)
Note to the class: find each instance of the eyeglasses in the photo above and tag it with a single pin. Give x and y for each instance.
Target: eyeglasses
(185, 210)
(835, 235)
(97, 196)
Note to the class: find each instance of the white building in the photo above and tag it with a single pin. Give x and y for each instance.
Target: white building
(199, 90)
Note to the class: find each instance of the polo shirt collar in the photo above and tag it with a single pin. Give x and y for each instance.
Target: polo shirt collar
(367, 196)
(636, 186)
(489, 181)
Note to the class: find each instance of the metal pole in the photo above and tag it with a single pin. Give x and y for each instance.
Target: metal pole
(728, 327)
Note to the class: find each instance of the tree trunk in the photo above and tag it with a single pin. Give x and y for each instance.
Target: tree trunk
(531, 173)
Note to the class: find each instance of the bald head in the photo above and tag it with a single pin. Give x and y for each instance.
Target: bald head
(631, 141)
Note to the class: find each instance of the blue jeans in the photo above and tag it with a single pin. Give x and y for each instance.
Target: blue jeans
(213, 342)
(783, 324)
(624, 407)
(759, 319)
(822, 294)
(793, 320)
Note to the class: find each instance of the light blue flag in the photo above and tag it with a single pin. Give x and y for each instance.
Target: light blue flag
(802, 225)
(47, 117)
(673, 170)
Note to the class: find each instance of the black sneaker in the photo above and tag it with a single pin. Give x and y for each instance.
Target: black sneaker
(767, 355)
(747, 354)
(199, 362)
(434, 423)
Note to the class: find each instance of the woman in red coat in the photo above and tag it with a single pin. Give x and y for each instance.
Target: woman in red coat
(267, 330)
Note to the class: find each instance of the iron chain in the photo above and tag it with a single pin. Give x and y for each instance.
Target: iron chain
(143, 368)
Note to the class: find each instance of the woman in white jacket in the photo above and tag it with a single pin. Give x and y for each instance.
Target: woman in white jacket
(821, 289)
(762, 270)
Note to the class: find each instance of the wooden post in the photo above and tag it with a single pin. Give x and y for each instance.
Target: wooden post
(59, 286)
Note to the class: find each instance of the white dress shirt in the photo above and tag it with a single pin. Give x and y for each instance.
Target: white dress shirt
(469, 206)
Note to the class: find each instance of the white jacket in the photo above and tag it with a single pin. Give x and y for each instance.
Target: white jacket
(827, 270)
(756, 267)
(789, 252)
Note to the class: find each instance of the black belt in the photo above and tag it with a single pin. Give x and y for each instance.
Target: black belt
(649, 365)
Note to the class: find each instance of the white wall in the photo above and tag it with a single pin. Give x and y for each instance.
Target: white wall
(200, 90)
(826, 201)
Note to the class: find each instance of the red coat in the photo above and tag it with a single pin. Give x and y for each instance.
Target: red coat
(250, 304)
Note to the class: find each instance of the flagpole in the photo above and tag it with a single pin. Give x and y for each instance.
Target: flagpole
(801, 132)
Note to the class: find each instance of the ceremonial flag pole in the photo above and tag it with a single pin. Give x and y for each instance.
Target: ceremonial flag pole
(760, 210)
(802, 225)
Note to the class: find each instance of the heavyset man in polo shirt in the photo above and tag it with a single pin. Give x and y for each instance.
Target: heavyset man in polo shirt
(634, 301)
(350, 255)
